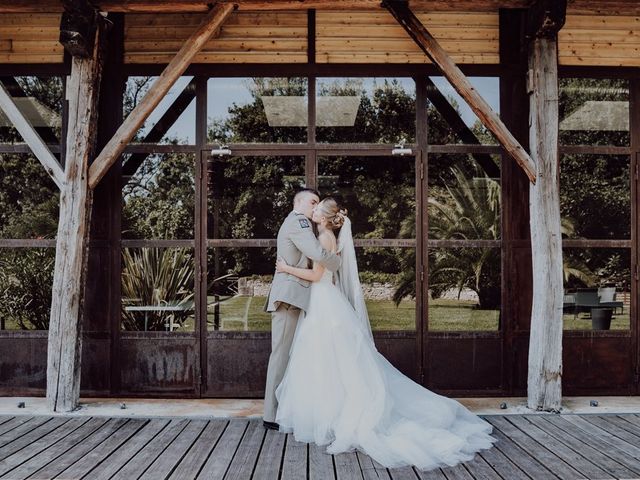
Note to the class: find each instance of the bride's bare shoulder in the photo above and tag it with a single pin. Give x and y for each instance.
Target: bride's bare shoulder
(328, 240)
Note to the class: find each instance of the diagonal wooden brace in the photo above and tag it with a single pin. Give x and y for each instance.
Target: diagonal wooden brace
(112, 150)
(405, 17)
(33, 139)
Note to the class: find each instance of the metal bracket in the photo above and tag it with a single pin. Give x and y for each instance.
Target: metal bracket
(221, 151)
(399, 149)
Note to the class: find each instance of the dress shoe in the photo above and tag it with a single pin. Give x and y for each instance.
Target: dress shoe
(270, 425)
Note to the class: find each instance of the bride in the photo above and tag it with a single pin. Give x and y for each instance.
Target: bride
(338, 390)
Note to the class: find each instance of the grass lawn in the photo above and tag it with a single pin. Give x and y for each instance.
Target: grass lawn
(583, 321)
(444, 315)
(458, 315)
(384, 315)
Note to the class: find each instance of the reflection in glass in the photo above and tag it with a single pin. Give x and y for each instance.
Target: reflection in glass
(249, 197)
(596, 279)
(26, 279)
(595, 196)
(40, 100)
(238, 284)
(365, 110)
(257, 110)
(594, 111)
(388, 277)
(464, 289)
(240, 278)
(464, 202)
(158, 289)
(451, 120)
(378, 192)
(29, 197)
(159, 199)
(173, 121)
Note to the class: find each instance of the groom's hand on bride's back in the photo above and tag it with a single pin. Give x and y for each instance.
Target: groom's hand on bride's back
(281, 266)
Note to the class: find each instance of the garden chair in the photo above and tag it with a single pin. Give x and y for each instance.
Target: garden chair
(608, 298)
(568, 302)
(586, 299)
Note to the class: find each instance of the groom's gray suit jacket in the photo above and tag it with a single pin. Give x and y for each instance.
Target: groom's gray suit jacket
(296, 245)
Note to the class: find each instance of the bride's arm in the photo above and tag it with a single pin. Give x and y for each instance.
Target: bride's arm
(310, 274)
(314, 274)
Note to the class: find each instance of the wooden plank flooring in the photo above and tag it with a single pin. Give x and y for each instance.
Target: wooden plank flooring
(528, 447)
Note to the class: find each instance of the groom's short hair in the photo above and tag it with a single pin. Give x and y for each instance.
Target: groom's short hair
(302, 191)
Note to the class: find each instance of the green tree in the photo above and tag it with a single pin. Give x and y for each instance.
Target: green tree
(468, 209)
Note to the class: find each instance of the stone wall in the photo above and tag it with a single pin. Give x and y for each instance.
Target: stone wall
(373, 291)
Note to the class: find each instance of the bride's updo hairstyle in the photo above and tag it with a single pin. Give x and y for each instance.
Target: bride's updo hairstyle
(335, 215)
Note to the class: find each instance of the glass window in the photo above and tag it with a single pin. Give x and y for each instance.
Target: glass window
(26, 279)
(158, 289)
(594, 111)
(173, 121)
(595, 196)
(40, 99)
(378, 192)
(464, 289)
(388, 278)
(159, 199)
(257, 110)
(365, 110)
(451, 120)
(238, 285)
(249, 197)
(597, 284)
(29, 199)
(464, 201)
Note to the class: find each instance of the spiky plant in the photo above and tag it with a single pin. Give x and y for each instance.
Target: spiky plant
(156, 276)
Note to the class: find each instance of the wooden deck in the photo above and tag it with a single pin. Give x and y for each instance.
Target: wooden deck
(529, 446)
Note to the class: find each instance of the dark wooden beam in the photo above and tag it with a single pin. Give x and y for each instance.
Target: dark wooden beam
(78, 27)
(545, 18)
(580, 7)
(183, 6)
(430, 46)
(452, 117)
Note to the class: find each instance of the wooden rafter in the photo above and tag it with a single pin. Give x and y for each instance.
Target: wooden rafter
(607, 7)
(210, 24)
(404, 15)
(33, 139)
(174, 6)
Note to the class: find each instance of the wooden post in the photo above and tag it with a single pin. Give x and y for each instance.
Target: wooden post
(65, 341)
(544, 382)
(429, 45)
(177, 66)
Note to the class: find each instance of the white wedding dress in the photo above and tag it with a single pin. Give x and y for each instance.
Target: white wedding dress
(339, 390)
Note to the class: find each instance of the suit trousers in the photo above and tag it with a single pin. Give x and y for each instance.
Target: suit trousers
(283, 327)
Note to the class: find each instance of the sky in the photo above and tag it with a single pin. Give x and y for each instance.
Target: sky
(223, 92)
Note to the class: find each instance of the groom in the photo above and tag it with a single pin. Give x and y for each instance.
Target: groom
(288, 295)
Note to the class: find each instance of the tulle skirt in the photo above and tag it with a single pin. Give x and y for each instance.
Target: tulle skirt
(339, 391)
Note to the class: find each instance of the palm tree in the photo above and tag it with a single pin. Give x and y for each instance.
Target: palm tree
(572, 266)
(470, 210)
